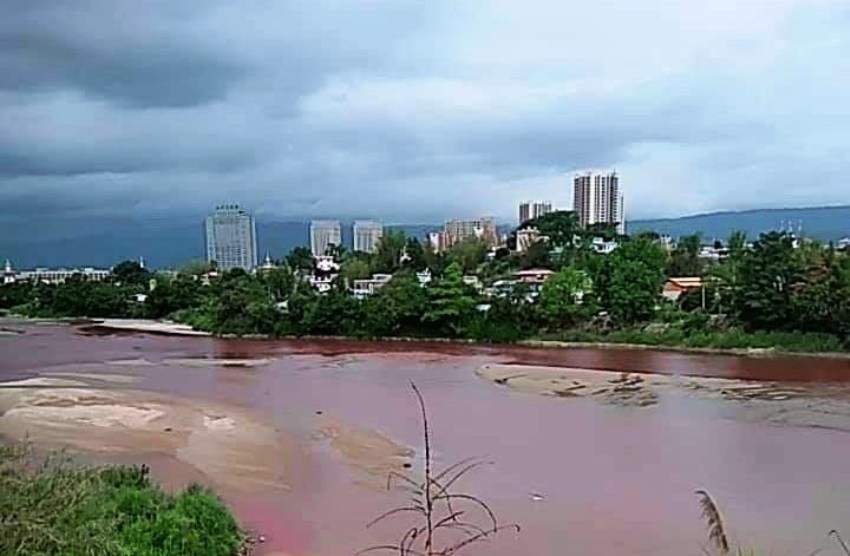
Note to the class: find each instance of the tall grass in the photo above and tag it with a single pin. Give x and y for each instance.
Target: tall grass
(57, 507)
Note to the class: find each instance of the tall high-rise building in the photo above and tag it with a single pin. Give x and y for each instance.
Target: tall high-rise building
(456, 231)
(529, 211)
(367, 235)
(323, 234)
(231, 238)
(598, 198)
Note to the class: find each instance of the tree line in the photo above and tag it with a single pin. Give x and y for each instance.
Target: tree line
(777, 291)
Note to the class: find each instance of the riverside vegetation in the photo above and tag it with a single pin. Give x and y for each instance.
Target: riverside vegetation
(776, 292)
(57, 506)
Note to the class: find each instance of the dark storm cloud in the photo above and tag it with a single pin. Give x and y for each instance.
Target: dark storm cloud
(115, 50)
(412, 110)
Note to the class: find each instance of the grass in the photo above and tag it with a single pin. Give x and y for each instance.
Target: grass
(55, 506)
(787, 342)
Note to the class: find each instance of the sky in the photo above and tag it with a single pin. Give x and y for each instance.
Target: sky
(415, 111)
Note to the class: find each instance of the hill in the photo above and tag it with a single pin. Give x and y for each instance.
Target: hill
(825, 223)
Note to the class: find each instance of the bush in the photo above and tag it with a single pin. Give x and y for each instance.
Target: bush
(57, 507)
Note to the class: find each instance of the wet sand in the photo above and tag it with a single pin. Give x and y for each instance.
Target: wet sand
(298, 435)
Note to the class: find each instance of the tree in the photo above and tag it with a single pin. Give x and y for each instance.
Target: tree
(629, 280)
(131, 273)
(170, 295)
(685, 258)
(468, 254)
(768, 276)
(566, 299)
(397, 308)
(414, 255)
(561, 227)
(387, 257)
(242, 305)
(279, 282)
(536, 256)
(451, 303)
(196, 268)
(355, 268)
(300, 258)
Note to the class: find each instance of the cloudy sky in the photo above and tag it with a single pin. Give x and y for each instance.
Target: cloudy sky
(415, 111)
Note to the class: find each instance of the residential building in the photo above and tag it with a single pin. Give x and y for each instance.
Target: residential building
(598, 199)
(529, 211)
(323, 234)
(231, 238)
(370, 286)
(457, 231)
(527, 237)
(367, 235)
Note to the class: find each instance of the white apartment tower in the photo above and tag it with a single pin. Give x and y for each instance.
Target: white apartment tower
(367, 235)
(231, 238)
(529, 211)
(323, 234)
(598, 198)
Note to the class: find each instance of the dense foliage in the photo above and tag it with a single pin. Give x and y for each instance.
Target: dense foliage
(60, 508)
(760, 295)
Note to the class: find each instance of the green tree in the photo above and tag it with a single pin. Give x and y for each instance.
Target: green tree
(629, 280)
(684, 260)
(451, 303)
(566, 298)
(536, 256)
(769, 274)
(387, 258)
(355, 268)
(170, 295)
(468, 254)
(130, 273)
(397, 308)
(300, 258)
(415, 255)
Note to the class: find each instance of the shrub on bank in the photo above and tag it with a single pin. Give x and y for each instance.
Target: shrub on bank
(57, 507)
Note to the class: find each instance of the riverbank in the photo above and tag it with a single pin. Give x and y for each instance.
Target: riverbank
(763, 345)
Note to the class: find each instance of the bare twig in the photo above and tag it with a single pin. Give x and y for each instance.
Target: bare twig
(714, 522)
(435, 505)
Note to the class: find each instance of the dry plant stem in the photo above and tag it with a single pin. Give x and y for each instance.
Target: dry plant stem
(437, 507)
(714, 522)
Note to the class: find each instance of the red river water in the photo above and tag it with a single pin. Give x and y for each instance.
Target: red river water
(579, 476)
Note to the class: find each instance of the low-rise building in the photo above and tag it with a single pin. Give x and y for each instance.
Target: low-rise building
(676, 287)
(370, 286)
(52, 275)
(603, 246)
(534, 276)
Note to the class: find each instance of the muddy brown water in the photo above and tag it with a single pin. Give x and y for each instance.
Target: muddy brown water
(580, 477)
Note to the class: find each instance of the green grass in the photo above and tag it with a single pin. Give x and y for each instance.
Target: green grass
(788, 342)
(58, 507)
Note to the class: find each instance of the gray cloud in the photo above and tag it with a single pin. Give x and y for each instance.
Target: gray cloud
(415, 111)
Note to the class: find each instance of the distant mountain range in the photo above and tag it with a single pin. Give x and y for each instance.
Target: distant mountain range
(164, 244)
(825, 223)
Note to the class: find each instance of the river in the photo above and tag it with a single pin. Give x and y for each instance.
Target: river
(299, 435)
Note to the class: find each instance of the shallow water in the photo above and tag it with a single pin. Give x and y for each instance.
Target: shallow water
(613, 480)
